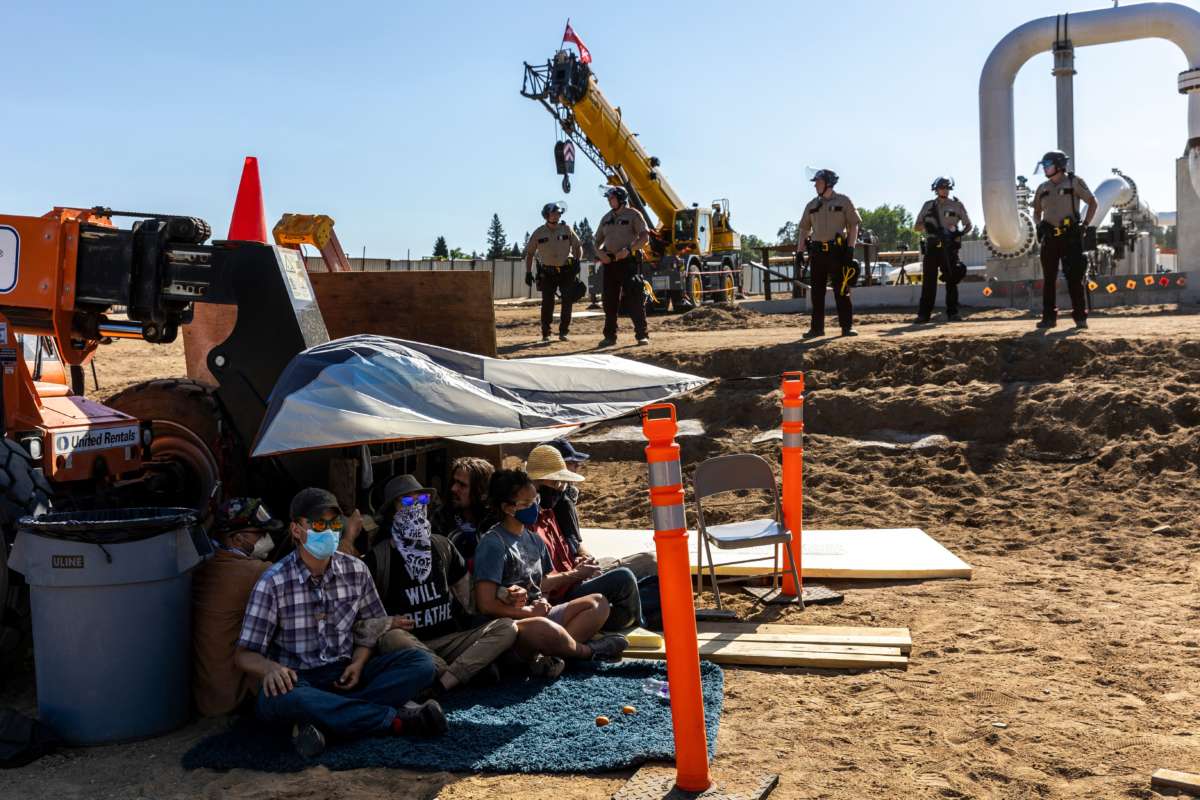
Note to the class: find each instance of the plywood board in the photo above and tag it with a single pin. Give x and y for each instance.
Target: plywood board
(768, 655)
(880, 554)
(813, 634)
(440, 307)
(1171, 779)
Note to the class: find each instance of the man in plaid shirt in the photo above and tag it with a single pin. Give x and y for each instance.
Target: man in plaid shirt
(298, 640)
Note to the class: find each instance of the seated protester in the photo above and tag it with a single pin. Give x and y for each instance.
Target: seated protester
(297, 639)
(642, 565)
(466, 517)
(513, 575)
(425, 586)
(241, 531)
(550, 475)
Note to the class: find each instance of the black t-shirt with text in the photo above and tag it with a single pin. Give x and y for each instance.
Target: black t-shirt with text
(432, 606)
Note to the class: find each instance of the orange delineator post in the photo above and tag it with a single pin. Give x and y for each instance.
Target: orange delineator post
(793, 473)
(675, 593)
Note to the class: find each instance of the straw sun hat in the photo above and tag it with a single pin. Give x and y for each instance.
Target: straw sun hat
(546, 464)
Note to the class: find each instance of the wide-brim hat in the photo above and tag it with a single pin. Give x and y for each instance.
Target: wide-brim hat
(545, 463)
(400, 486)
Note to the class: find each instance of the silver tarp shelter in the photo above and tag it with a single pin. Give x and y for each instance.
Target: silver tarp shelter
(371, 389)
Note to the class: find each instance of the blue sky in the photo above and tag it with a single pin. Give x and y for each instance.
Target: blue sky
(403, 120)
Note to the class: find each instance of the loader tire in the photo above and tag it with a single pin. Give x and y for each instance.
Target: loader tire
(190, 429)
(23, 491)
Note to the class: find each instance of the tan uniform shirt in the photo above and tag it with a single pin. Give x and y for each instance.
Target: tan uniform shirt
(553, 245)
(950, 213)
(1055, 203)
(619, 229)
(827, 217)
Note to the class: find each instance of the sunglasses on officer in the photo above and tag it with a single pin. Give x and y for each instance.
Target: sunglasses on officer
(410, 500)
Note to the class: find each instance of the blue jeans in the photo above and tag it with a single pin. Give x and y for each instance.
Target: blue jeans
(620, 588)
(388, 682)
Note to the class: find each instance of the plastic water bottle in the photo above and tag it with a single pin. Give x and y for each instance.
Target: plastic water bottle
(656, 688)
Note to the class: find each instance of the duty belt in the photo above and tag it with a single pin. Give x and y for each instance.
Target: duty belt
(1063, 227)
(837, 241)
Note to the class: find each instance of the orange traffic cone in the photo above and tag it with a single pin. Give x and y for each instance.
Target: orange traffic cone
(249, 222)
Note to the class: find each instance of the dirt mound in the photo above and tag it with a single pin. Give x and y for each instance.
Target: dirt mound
(716, 318)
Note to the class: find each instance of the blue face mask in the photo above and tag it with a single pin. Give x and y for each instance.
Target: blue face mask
(528, 516)
(321, 545)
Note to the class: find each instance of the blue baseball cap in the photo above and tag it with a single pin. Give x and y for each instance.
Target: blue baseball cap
(569, 453)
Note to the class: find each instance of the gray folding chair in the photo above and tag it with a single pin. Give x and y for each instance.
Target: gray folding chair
(731, 473)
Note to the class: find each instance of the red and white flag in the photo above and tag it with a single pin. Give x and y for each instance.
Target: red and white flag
(569, 35)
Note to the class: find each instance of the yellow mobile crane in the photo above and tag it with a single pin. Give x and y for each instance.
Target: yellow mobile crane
(694, 253)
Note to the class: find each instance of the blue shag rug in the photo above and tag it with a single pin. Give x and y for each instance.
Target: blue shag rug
(519, 726)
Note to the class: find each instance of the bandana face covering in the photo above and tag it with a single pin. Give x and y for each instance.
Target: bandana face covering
(410, 535)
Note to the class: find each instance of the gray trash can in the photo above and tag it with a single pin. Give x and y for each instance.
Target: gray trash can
(110, 593)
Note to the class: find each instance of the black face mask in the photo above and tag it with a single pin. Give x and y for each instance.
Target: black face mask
(549, 496)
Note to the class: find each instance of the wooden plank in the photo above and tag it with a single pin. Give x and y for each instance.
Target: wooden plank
(879, 554)
(440, 307)
(816, 634)
(1172, 779)
(739, 646)
(749, 655)
(775, 639)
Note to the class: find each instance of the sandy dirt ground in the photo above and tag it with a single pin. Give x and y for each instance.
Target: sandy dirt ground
(1067, 668)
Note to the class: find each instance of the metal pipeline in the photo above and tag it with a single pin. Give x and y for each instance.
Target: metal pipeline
(1115, 191)
(1176, 23)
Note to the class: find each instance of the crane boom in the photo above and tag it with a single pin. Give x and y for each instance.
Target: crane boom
(693, 251)
(570, 92)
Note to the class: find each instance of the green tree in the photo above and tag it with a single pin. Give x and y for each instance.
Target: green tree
(786, 234)
(587, 238)
(515, 252)
(752, 247)
(497, 242)
(892, 226)
(439, 248)
(459, 253)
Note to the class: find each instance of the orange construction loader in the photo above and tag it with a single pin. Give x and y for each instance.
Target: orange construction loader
(63, 276)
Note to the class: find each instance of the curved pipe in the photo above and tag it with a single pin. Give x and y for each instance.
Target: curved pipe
(1176, 23)
(1112, 192)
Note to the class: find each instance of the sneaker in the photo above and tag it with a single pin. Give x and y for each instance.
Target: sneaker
(546, 339)
(1081, 323)
(427, 719)
(607, 342)
(562, 337)
(308, 741)
(812, 334)
(921, 319)
(548, 667)
(608, 647)
(849, 332)
(953, 318)
(643, 340)
(1047, 323)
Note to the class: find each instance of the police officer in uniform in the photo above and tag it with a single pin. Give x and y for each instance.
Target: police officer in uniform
(828, 230)
(939, 219)
(557, 249)
(1056, 213)
(620, 236)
